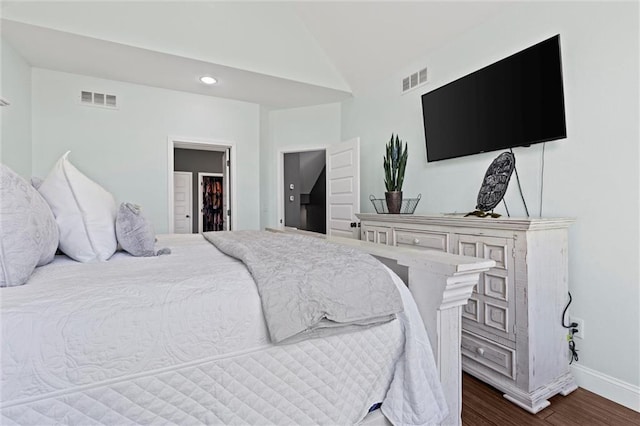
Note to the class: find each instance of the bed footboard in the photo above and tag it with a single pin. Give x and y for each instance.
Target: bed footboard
(451, 279)
(441, 284)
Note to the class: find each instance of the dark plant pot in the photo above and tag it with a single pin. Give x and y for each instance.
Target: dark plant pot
(394, 201)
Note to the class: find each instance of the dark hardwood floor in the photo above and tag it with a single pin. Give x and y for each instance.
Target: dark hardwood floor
(484, 405)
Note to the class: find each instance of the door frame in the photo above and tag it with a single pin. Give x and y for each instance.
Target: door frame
(200, 200)
(186, 142)
(280, 197)
(190, 197)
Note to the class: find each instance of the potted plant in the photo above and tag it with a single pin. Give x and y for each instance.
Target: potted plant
(395, 162)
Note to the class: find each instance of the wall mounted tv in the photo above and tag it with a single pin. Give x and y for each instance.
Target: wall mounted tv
(517, 101)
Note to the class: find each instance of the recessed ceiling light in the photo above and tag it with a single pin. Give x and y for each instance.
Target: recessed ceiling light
(208, 80)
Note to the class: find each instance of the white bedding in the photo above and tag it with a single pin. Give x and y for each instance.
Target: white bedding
(148, 340)
(311, 287)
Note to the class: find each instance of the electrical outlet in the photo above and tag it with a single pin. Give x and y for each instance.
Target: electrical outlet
(580, 333)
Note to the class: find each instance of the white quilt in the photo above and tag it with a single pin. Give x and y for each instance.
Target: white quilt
(181, 339)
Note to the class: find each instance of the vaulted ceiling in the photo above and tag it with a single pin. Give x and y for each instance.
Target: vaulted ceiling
(280, 54)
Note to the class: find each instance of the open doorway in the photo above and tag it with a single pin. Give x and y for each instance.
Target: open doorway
(206, 169)
(212, 198)
(305, 190)
(341, 180)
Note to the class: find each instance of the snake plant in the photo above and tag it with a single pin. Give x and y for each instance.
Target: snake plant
(395, 162)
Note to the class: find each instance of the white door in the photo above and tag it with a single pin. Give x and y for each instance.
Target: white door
(182, 202)
(343, 188)
(226, 161)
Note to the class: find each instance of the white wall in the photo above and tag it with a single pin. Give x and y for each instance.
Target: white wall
(297, 128)
(592, 175)
(125, 150)
(15, 87)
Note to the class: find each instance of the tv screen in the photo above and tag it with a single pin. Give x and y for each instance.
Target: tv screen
(517, 101)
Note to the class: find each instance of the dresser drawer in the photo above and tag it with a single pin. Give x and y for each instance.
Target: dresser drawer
(422, 239)
(376, 234)
(490, 354)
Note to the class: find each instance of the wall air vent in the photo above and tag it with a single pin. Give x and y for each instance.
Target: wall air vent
(98, 99)
(406, 84)
(422, 76)
(416, 79)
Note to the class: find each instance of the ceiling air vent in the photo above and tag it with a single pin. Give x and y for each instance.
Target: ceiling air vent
(416, 79)
(98, 99)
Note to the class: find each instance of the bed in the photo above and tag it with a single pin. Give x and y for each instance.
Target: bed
(181, 339)
(221, 330)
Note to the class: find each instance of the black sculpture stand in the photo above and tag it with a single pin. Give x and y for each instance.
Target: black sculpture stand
(480, 213)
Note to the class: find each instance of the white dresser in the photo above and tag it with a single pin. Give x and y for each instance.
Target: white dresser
(512, 336)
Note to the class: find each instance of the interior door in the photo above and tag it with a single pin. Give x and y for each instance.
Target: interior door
(182, 202)
(343, 188)
(226, 161)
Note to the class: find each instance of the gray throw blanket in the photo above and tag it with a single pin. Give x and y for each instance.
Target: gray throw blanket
(309, 286)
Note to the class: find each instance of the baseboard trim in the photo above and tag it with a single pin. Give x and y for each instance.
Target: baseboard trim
(608, 387)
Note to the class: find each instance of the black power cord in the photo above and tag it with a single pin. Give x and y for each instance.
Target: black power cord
(542, 178)
(573, 329)
(573, 350)
(564, 313)
(520, 187)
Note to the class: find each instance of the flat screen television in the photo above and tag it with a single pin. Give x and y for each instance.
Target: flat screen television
(517, 101)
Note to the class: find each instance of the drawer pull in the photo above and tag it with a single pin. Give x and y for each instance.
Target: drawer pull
(416, 241)
(480, 351)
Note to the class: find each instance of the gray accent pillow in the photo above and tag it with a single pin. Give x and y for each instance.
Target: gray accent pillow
(36, 181)
(28, 231)
(135, 233)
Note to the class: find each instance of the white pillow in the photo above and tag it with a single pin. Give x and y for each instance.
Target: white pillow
(85, 213)
(28, 231)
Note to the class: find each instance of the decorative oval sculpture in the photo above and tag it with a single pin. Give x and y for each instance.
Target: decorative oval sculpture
(496, 181)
